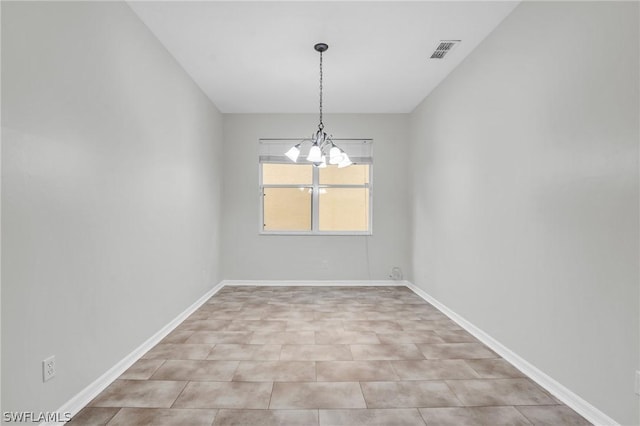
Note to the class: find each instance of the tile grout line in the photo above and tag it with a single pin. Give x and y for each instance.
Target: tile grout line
(422, 417)
(471, 367)
(363, 397)
(180, 393)
(164, 361)
(112, 417)
(213, 421)
(394, 370)
(235, 370)
(210, 351)
(273, 385)
(455, 395)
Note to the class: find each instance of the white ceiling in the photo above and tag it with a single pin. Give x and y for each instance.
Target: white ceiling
(258, 56)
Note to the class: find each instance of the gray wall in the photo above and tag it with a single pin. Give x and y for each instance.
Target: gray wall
(519, 210)
(111, 185)
(525, 194)
(248, 255)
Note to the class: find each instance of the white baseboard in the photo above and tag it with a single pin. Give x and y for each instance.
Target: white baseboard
(75, 404)
(565, 395)
(315, 283)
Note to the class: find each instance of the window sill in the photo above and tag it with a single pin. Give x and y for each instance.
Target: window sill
(316, 234)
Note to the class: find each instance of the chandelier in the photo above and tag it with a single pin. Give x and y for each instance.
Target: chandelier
(322, 147)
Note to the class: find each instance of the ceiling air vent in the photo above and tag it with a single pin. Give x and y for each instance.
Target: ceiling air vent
(444, 47)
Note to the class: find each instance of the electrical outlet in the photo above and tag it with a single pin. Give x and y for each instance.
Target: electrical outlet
(48, 368)
(637, 383)
(396, 273)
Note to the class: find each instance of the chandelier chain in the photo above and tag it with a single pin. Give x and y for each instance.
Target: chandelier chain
(321, 125)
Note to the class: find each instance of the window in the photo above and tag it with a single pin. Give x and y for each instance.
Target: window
(298, 198)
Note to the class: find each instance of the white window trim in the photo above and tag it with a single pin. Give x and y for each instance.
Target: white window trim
(315, 186)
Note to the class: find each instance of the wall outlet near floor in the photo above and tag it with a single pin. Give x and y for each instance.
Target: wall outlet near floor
(396, 273)
(48, 368)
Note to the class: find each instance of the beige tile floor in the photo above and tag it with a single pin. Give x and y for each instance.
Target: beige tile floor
(322, 356)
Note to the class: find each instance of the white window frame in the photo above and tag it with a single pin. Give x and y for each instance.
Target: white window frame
(315, 195)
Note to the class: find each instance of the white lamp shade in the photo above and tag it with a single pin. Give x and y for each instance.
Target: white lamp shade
(315, 155)
(346, 161)
(293, 153)
(335, 155)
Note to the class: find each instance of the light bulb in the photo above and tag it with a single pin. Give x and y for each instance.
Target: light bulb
(293, 153)
(315, 155)
(335, 155)
(345, 162)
